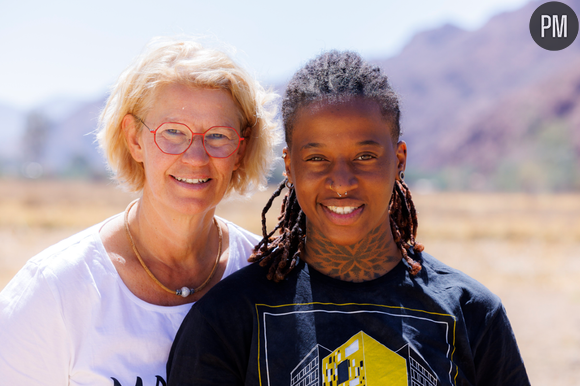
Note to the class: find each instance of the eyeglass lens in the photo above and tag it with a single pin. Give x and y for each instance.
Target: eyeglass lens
(219, 141)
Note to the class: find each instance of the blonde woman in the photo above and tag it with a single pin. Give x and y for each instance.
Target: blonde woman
(185, 126)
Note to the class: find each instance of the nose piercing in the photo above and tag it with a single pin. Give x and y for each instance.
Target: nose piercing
(339, 195)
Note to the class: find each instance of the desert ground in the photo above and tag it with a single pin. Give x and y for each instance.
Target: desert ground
(525, 248)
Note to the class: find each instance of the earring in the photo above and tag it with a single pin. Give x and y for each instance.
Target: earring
(401, 175)
(288, 184)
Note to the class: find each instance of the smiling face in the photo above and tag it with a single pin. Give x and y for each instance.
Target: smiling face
(344, 148)
(192, 182)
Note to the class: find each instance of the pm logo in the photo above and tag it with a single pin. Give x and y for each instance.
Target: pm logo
(554, 26)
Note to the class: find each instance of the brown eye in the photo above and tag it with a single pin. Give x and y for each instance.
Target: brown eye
(365, 157)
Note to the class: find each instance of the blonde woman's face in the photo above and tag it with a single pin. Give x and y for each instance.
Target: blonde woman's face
(192, 182)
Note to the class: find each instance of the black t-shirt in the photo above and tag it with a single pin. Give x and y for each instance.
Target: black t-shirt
(438, 328)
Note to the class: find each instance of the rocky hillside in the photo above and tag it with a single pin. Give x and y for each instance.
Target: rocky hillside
(483, 110)
(489, 109)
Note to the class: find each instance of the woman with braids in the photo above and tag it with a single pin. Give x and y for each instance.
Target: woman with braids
(341, 292)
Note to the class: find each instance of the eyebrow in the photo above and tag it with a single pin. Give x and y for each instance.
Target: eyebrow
(312, 145)
(316, 145)
(172, 118)
(369, 142)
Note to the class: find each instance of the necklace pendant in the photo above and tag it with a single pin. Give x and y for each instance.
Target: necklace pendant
(183, 292)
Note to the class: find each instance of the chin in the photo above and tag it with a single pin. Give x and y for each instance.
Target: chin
(191, 206)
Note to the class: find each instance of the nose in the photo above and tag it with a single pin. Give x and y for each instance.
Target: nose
(341, 177)
(196, 154)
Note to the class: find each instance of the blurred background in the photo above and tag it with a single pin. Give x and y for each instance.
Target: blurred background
(492, 122)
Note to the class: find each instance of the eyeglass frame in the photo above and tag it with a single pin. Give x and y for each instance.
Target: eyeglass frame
(154, 132)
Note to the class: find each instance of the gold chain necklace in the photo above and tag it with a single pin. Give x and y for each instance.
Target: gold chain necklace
(184, 291)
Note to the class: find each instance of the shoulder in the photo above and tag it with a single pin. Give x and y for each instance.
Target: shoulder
(51, 293)
(241, 246)
(464, 296)
(240, 235)
(69, 253)
(69, 266)
(226, 312)
(482, 322)
(220, 325)
(236, 286)
(242, 290)
(442, 278)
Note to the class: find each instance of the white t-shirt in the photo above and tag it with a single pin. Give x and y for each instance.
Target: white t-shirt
(67, 318)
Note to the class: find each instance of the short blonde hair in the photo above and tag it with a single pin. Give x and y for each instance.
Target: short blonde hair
(168, 61)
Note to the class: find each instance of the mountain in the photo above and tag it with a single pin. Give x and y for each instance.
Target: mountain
(474, 104)
(530, 139)
(11, 126)
(486, 109)
(71, 150)
(54, 139)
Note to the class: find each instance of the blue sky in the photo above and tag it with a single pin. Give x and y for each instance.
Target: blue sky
(77, 49)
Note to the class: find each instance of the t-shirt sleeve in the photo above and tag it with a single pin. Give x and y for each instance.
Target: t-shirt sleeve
(34, 348)
(497, 357)
(201, 355)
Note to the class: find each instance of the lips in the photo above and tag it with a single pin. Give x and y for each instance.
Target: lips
(342, 209)
(343, 215)
(192, 180)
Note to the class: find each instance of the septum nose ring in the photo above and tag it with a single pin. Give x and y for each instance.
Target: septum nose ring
(339, 195)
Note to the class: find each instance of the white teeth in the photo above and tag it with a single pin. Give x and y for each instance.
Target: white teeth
(192, 180)
(342, 209)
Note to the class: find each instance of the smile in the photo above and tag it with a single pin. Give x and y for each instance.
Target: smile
(192, 180)
(342, 209)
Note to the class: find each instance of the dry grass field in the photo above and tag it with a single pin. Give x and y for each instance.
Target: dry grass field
(524, 248)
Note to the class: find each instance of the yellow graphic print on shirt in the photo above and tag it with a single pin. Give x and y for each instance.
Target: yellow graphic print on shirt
(360, 361)
(329, 344)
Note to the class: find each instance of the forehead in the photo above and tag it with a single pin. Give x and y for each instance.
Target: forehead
(181, 102)
(351, 122)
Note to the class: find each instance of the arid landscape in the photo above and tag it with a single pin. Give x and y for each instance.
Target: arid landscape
(525, 248)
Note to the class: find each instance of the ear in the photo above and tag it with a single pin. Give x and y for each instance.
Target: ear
(241, 153)
(287, 163)
(132, 137)
(401, 153)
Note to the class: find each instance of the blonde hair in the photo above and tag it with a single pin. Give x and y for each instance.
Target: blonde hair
(168, 61)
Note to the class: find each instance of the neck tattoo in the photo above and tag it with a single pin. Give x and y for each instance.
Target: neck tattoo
(184, 291)
(365, 260)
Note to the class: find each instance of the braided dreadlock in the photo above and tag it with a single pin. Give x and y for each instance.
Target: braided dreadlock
(278, 251)
(334, 76)
(403, 217)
